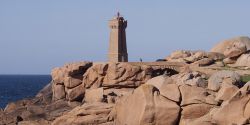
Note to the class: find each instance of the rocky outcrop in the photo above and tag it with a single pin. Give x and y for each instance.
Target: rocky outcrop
(226, 91)
(40, 110)
(167, 87)
(186, 98)
(101, 84)
(236, 49)
(179, 100)
(116, 75)
(87, 114)
(58, 91)
(71, 81)
(232, 47)
(199, 58)
(235, 110)
(243, 60)
(191, 78)
(223, 77)
(67, 81)
(204, 91)
(229, 60)
(225, 52)
(146, 106)
(195, 104)
(74, 70)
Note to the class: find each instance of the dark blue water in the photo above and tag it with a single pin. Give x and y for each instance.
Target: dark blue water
(16, 87)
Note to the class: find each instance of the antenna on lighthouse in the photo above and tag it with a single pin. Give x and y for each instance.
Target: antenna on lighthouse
(118, 14)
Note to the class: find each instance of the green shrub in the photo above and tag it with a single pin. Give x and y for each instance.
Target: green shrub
(245, 78)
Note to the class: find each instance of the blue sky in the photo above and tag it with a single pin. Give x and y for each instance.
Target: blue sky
(36, 36)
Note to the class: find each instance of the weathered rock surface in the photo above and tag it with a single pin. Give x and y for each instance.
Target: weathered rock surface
(94, 95)
(67, 79)
(229, 60)
(159, 81)
(215, 56)
(196, 95)
(75, 94)
(204, 120)
(232, 47)
(236, 110)
(204, 62)
(243, 60)
(71, 69)
(195, 111)
(39, 122)
(226, 91)
(190, 78)
(167, 87)
(45, 92)
(70, 82)
(93, 113)
(199, 58)
(58, 91)
(180, 54)
(116, 74)
(221, 77)
(146, 106)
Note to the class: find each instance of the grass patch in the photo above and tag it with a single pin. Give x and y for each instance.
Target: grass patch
(245, 78)
(226, 68)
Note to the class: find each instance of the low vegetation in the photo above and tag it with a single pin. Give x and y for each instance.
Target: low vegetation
(245, 78)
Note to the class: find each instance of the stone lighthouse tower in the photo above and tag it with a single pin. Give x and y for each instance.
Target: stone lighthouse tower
(117, 43)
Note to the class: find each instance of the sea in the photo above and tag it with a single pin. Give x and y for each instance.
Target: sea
(16, 87)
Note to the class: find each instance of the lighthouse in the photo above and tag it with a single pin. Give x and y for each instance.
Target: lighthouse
(117, 42)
